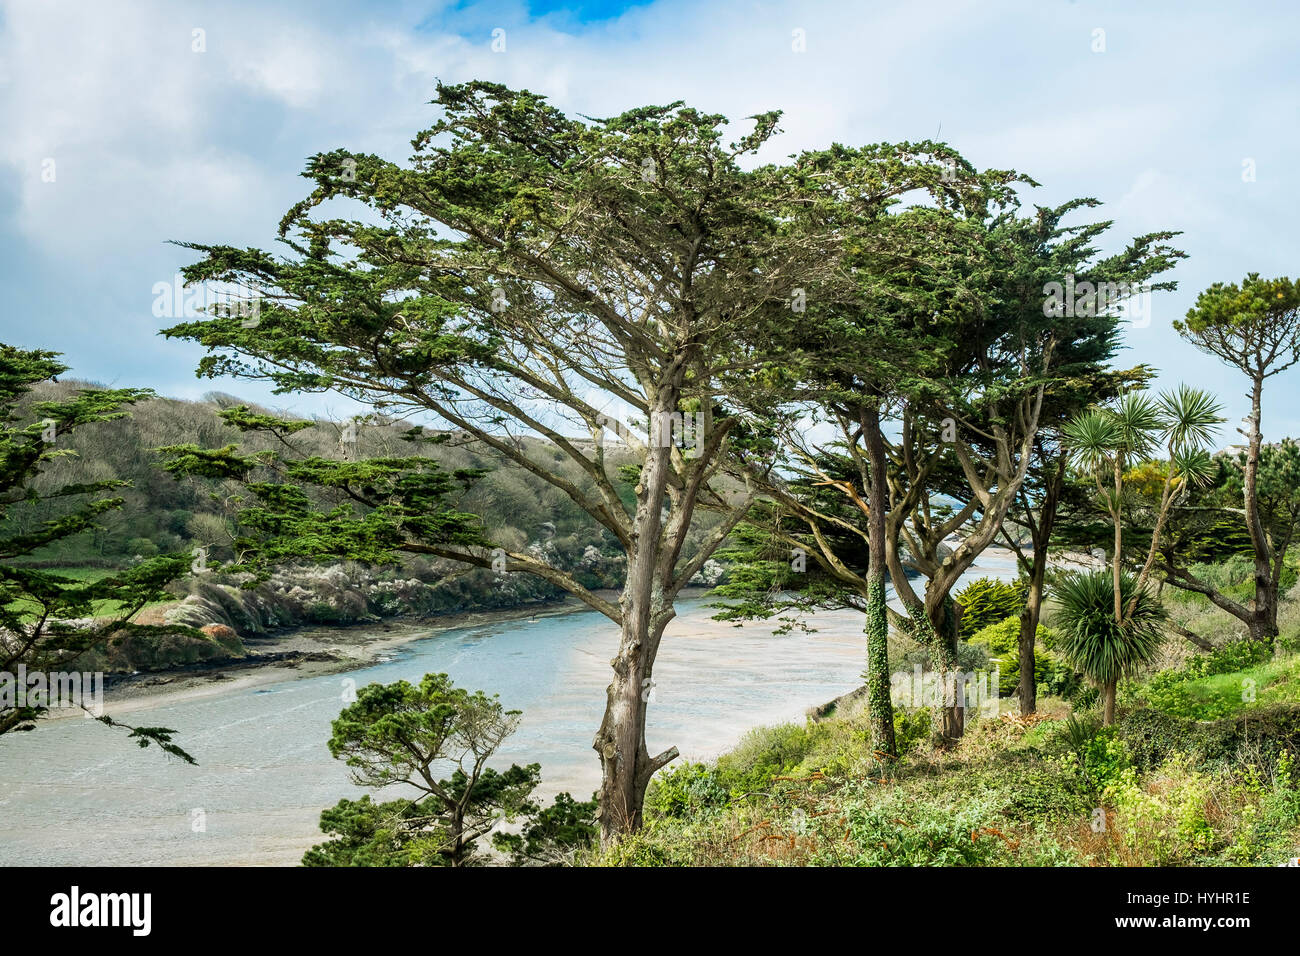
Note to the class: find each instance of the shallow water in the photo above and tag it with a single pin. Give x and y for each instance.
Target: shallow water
(75, 792)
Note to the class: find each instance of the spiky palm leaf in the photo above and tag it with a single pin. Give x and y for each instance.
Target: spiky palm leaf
(1090, 638)
(1092, 438)
(1190, 417)
(1195, 466)
(1138, 418)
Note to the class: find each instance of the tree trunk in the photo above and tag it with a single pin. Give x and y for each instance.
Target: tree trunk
(1263, 626)
(1118, 555)
(1108, 703)
(626, 766)
(1262, 632)
(457, 835)
(951, 708)
(1028, 685)
(877, 623)
(1029, 618)
(878, 682)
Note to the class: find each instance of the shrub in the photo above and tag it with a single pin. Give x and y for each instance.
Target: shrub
(986, 601)
(1234, 656)
(897, 831)
(1150, 736)
(685, 789)
(761, 755)
(911, 729)
(1003, 641)
(1085, 697)
(648, 847)
(1164, 823)
(767, 752)
(1097, 754)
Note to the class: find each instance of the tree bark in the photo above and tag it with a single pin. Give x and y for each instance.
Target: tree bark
(1108, 703)
(877, 623)
(626, 765)
(1263, 625)
(945, 621)
(457, 841)
(1027, 688)
(1030, 616)
(1118, 555)
(647, 607)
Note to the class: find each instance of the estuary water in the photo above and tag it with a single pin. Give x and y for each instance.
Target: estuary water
(74, 792)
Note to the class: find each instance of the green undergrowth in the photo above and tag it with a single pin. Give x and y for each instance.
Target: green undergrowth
(1163, 786)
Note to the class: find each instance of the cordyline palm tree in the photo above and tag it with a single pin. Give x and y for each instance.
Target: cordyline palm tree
(1106, 442)
(1095, 642)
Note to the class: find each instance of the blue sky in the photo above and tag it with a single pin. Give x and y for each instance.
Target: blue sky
(150, 139)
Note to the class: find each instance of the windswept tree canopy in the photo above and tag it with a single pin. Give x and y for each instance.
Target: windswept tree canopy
(49, 620)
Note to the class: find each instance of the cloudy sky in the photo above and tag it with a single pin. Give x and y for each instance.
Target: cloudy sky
(131, 123)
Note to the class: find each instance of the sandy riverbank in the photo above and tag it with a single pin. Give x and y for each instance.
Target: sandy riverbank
(313, 651)
(296, 654)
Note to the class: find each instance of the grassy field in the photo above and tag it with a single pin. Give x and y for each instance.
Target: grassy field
(83, 575)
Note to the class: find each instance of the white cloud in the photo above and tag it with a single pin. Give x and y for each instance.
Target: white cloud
(154, 141)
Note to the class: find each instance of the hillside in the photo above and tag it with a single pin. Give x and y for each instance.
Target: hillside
(1200, 769)
(160, 514)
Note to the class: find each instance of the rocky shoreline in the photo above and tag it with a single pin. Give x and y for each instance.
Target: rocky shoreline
(220, 621)
(297, 652)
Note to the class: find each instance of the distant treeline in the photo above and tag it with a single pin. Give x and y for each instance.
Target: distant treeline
(161, 514)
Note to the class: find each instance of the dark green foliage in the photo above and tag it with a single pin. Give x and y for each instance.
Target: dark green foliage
(1151, 736)
(550, 835)
(1026, 785)
(988, 601)
(762, 579)
(401, 733)
(400, 833)
(1083, 696)
(365, 833)
(1211, 542)
(387, 504)
(37, 607)
(160, 737)
(178, 514)
(1091, 640)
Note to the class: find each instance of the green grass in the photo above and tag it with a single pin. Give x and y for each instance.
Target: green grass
(82, 575)
(1227, 695)
(1202, 769)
